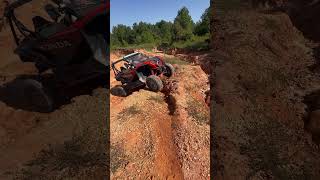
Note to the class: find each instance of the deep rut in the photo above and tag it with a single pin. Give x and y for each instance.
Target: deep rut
(167, 162)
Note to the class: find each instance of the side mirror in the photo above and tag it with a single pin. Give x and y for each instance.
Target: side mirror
(52, 12)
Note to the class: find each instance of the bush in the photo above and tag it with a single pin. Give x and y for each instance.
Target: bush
(197, 43)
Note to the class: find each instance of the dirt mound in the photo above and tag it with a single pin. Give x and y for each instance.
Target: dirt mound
(259, 77)
(69, 142)
(162, 135)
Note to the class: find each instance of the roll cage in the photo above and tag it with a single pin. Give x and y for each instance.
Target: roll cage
(14, 23)
(131, 59)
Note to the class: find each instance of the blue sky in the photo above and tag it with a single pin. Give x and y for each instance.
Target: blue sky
(130, 11)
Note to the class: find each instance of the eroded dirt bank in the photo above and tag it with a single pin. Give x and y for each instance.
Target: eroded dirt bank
(162, 135)
(260, 77)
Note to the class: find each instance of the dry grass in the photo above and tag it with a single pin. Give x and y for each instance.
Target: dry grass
(128, 112)
(196, 110)
(157, 99)
(174, 60)
(118, 158)
(73, 159)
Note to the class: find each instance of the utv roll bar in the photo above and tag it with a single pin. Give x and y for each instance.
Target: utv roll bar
(15, 4)
(15, 24)
(115, 70)
(124, 58)
(19, 3)
(130, 55)
(9, 14)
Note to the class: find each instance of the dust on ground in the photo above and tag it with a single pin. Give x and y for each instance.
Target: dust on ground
(162, 135)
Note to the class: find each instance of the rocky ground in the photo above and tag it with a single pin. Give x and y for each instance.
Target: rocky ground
(260, 80)
(162, 135)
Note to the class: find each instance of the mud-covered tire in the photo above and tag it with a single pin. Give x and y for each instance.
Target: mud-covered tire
(170, 70)
(119, 91)
(154, 83)
(36, 95)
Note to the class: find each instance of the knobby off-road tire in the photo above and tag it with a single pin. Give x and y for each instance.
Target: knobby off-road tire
(170, 70)
(154, 83)
(35, 95)
(119, 91)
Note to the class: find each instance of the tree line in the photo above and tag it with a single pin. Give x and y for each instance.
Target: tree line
(182, 29)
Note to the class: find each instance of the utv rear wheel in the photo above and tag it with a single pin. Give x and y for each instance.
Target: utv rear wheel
(154, 83)
(118, 91)
(169, 70)
(36, 96)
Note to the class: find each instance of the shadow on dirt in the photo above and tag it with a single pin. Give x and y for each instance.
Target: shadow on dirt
(315, 68)
(124, 91)
(170, 86)
(172, 103)
(14, 93)
(311, 122)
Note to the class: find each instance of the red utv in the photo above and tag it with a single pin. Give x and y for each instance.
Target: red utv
(72, 44)
(139, 70)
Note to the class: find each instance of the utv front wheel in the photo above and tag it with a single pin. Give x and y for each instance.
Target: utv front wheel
(36, 96)
(119, 91)
(169, 70)
(154, 83)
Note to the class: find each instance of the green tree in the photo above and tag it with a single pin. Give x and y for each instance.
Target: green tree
(121, 34)
(203, 26)
(143, 33)
(114, 41)
(164, 31)
(183, 25)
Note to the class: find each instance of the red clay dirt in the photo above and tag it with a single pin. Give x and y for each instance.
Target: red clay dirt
(162, 135)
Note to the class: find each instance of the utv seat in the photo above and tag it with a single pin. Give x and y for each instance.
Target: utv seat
(52, 29)
(46, 28)
(39, 23)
